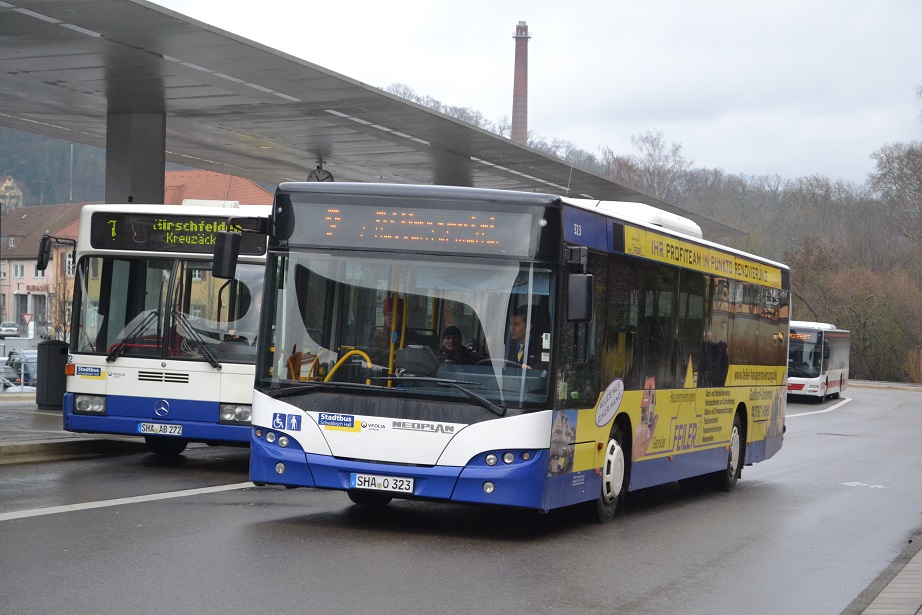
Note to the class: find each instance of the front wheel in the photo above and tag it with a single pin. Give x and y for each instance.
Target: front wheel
(166, 447)
(725, 480)
(614, 478)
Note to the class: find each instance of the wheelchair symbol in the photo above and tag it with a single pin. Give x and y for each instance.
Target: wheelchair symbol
(278, 421)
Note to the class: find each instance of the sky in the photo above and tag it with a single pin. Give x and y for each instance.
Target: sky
(788, 87)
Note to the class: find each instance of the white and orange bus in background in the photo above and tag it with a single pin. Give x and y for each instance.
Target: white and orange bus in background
(817, 359)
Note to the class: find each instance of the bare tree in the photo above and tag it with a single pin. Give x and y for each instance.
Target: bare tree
(559, 148)
(465, 114)
(657, 169)
(897, 180)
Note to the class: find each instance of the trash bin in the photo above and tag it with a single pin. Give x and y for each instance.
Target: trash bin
(50, 380)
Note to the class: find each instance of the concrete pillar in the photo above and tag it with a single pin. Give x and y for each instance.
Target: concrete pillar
(135, 157)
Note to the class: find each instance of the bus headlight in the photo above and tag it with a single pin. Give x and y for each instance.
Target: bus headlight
(237, 414)
(89, 404)
(491, 459)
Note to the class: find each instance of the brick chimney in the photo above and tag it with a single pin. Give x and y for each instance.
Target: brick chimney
(520, 85)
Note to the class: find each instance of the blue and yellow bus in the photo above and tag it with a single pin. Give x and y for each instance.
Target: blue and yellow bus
(608, 348)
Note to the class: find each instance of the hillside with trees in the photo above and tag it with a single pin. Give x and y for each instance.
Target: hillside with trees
(855, 250)
(50, 171)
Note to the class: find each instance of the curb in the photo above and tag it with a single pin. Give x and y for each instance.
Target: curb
(57, 450)
(893, 386)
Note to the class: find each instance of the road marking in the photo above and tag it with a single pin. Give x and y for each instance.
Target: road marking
(859, 484)
(31, 412)
(844, 401)
(153, 497)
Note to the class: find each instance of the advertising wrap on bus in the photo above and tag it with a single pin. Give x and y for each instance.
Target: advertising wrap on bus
(422, 350)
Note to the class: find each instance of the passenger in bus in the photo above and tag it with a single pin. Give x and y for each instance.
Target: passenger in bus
(523, 347)
(453, 349)
(380, 337)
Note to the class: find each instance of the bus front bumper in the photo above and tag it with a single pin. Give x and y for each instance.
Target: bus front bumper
(192, 429)
(520, 484)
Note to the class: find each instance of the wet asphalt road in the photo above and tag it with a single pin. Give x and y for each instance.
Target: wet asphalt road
(805, 532)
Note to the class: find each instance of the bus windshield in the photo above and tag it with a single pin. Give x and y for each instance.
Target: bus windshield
(373, 323)
(805, 357)
(166, 308)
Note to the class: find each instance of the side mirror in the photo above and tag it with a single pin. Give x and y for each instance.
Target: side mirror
(283, 217)
(579, 297)
(226, 253)
(825, 349)
(44, 253)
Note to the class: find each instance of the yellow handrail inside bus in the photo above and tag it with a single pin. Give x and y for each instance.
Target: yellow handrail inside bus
(343, 360)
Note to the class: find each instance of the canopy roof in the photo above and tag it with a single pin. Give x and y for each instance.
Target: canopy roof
(238, 107)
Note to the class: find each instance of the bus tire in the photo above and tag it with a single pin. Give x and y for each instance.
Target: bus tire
(166, 447)
(369, 498)
(725, 480)
(614, 479)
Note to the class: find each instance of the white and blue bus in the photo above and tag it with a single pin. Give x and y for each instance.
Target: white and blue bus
(159, 348)
(818, 360)
(609, 348)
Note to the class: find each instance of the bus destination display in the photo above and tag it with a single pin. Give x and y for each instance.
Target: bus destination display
(423, 229)
(804, 336)
(169, 233)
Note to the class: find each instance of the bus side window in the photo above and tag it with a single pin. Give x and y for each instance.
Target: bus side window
(692, 288)
(619, 317)
(581, 366)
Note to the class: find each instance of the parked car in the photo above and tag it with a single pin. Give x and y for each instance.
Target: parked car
(9, 380)
(7, 376)
(24, 363)
(9, 329)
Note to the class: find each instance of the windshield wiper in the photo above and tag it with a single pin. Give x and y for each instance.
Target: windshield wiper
(197, 338)
(131, 337)
(482, 401)
(310, 385)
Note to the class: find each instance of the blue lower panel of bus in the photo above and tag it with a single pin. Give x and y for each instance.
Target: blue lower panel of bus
(124, 415)
(521, 484)
(764, 449)
(650, 472)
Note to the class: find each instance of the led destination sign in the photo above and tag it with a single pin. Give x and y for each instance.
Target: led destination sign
(419, 229)
(168, 233)
(806, 336)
